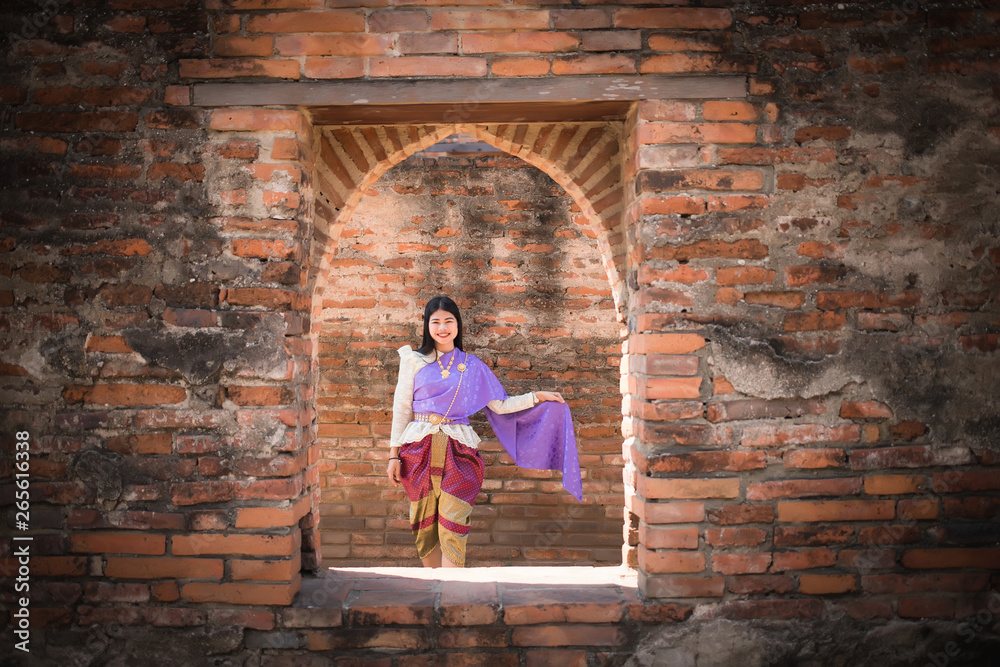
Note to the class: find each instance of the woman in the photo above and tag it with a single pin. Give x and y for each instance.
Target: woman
(433, 450)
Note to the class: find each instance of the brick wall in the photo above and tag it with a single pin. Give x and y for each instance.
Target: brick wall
(807, 277)
(502, 239)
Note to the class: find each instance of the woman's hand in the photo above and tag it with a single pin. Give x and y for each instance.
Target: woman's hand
(549, 396)
(393, 470)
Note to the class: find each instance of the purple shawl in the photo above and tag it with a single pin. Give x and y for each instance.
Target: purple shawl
(540, 437)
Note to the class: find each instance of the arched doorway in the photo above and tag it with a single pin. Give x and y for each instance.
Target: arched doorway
(521, 257)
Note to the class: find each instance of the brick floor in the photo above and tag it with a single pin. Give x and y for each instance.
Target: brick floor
(516, 615)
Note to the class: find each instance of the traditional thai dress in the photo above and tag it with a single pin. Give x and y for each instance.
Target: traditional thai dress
(442, 471)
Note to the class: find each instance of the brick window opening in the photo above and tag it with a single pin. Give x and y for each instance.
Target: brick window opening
(514, 250)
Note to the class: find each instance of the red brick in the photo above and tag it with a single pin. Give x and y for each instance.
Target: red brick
(739, 514)
(519, 42)
(814, 321)
(568, 19)
(803, 560)
(743, 249)
(217, 68)
(267, 298)
(741, 563)
(178, 171)
(609, 63)
(804, 536)
(664, 388)
(655, 586)
(865, 410)
(141, 443)
(744, 275)
(243, 46)
(787, 300)
(566, 658)
(653, 537)
(119, 543)
(427, 66)
(569, 635)
(532, 606)
(827, 584)
(719, 110)
(340, 21)
(124, 394)
(398, 20)
(972, 507)
(670, 561)
(836, 510)
(520, 66)
(177, 95)
(671, 512)
(266, 249)
(910, 457)
(871, 300)
(351, 45)
(756, 584)
(774, 436)
(889, 534)
(469, 603)
(612, 40)
(163, 568)
(231, 593)
(264, 570)
(421, 42)
(938, 582)
(679, 488)
(494, 19)
(802, 276)
(684, 18)
(802, 488)
(769, 609)
(894, 484)
(686, 133)
(817, 250)
(682, 274)
(704, 462)
(255, 120)
(739, 536)
(814, 458)
(665, 343)
(955, 481)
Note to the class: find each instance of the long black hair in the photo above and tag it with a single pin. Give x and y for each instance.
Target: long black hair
(434, 305)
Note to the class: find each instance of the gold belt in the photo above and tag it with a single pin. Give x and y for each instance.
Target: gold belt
(432, 418)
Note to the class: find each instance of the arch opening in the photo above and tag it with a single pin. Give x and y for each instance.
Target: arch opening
(512, 247)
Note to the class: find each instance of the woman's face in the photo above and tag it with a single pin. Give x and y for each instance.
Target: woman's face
(444, 328)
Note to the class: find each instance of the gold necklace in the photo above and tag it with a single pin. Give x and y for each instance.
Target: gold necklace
(461, 374)
(445, 372)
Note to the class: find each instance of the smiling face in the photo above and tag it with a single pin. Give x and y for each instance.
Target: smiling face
(443, 327)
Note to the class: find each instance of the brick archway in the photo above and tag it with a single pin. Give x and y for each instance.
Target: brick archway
(582, 157)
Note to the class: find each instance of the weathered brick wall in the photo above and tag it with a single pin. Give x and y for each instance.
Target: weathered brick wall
(838, 441)
(811, 318)
(501, 238)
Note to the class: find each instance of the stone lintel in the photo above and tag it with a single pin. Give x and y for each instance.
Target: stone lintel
(613, 88)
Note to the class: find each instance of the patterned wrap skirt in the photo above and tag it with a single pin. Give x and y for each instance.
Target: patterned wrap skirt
(442, 478)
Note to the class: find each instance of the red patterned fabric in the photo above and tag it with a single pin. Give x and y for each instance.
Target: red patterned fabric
(442, 478)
